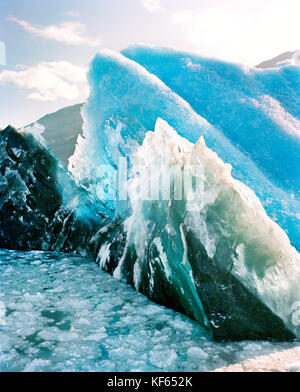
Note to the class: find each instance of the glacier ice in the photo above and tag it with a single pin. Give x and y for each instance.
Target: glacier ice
(256, 111)
(230, 225)
(249, 117)
(233, 108)
(124, 103)
(217, 257)
(157, 248)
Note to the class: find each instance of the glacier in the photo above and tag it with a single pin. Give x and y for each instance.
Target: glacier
(224, 254)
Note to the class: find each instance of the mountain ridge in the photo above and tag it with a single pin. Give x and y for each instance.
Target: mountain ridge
(62, 129)
(275, 60)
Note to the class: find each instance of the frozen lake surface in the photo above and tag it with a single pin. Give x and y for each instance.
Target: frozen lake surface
(62, 313)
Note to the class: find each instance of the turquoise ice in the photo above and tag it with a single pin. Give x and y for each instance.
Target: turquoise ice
(249, 117)
(258, 115)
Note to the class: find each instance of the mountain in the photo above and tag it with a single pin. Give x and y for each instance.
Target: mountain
(62, 129)
(274, 61)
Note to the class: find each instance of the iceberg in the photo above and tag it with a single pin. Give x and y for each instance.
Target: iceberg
(257, 113)
(124, 103)
(171, 191)
(223, 235)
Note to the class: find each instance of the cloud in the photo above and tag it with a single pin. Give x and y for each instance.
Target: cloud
(73, 14)
(49, 81)
(151, 5)
(247, 32)
(72, 33)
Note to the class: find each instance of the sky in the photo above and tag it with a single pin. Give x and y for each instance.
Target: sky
(46, 45)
